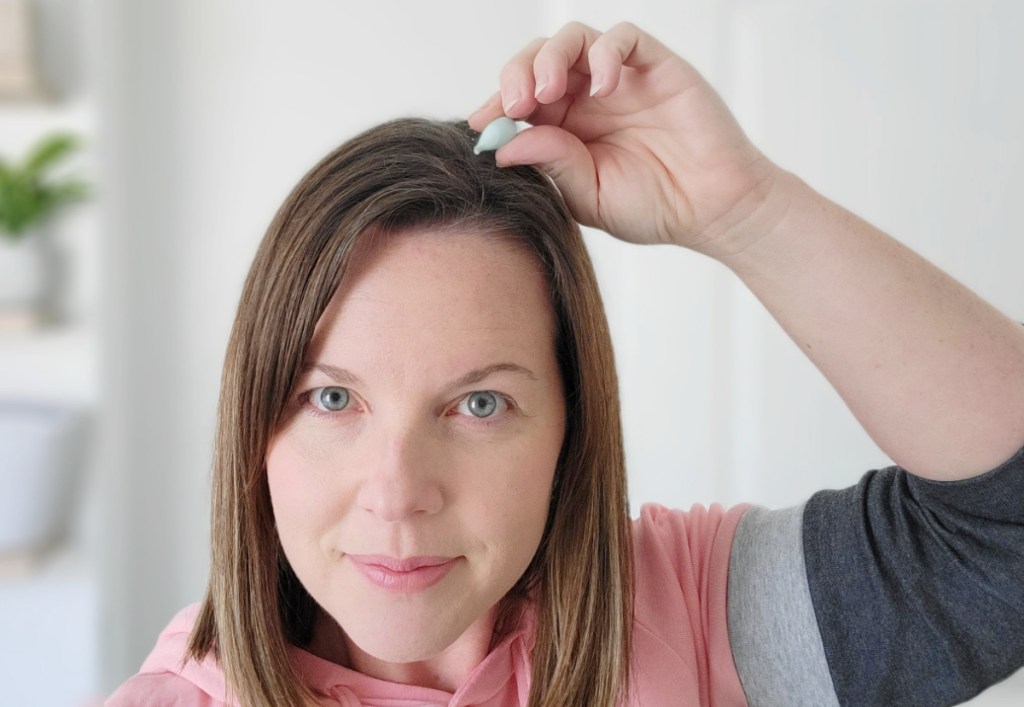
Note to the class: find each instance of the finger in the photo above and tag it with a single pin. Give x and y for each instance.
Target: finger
(554, 113)
(517, 82)
(564, 158)
(624, 45)
(567, 49)
(551, 114)
(490, 110)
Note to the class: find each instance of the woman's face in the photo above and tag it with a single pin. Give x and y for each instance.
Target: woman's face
(411, 481)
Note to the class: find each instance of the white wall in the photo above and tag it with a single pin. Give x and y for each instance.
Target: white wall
(907, 111)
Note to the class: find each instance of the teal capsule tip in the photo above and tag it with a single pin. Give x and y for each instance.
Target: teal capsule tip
(498, 132)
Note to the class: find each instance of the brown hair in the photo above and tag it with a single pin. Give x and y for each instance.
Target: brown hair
(399, 176)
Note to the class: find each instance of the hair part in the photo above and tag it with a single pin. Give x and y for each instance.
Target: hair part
(401, 176)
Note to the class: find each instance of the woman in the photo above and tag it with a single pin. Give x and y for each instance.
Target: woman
(419, 493)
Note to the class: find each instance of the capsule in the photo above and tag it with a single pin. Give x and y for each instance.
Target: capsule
(498, 132)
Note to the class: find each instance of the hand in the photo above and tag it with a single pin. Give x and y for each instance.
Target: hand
(653, 156)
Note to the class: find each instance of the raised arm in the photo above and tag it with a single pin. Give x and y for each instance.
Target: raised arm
(933, 373)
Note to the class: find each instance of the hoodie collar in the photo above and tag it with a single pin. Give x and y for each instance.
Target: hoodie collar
(502, 679)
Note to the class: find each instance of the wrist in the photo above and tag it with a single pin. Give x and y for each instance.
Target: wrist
(757, 226)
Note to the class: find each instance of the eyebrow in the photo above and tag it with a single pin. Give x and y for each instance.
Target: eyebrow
(341, 375)
(481, 373)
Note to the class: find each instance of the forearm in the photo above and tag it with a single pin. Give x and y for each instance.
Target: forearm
(933, 373)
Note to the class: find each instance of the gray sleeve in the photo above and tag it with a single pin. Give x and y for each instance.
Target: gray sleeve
(772, 628)
(917, 585)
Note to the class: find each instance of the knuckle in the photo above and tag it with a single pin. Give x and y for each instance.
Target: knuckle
(604, 51)
(510, 72)
(597, 56)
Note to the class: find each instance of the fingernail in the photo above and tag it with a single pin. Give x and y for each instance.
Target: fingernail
(540, 89)
(508, 106)
(596, 84)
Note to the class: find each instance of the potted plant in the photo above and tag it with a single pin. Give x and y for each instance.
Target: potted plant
(30, 193)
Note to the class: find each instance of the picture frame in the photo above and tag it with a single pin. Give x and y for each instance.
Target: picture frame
(19, 75)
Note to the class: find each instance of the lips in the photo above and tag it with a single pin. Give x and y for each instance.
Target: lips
(407, 575)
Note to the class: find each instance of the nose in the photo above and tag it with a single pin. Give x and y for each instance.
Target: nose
(402, 482)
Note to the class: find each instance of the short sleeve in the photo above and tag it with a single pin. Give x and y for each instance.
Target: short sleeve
(772, 627)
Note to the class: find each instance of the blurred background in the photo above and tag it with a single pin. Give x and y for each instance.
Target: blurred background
(195, 118)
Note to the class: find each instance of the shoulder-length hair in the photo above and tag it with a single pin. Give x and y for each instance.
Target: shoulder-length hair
(400, 176)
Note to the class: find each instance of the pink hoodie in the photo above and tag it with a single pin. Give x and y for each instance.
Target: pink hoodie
(680, 639)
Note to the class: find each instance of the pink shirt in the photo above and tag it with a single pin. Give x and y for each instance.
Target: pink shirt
(680, 638)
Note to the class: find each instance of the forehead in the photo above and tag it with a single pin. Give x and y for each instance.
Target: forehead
(470, 287)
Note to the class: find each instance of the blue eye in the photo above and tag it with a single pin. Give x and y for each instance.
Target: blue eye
(482, 403)
(330, 398)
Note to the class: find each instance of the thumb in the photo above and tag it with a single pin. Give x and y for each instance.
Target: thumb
(563, 157)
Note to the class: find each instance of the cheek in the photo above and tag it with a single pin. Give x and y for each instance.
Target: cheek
(286, 492)
(302, 463)
(298, 496)
(510, 505)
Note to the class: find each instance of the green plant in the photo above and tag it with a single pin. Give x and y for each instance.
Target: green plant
(29, 193)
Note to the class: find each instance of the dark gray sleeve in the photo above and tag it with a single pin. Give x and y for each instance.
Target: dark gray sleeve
(918, 586)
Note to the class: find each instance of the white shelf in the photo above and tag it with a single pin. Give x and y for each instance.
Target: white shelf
(58, 365)
(21, 124)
